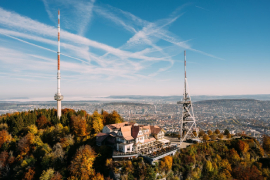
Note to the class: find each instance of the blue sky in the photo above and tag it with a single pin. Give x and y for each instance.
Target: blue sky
(134, 47)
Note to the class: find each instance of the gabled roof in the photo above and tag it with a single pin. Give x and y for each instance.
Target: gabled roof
(155, 129)
(126, 131)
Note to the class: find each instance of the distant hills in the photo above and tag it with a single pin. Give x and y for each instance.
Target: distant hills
(139, 98)
(194, 98)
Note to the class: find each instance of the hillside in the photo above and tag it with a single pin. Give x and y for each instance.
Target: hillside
(37, 145)
(241, 159)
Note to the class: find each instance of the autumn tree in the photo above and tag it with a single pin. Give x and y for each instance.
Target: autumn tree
(98, 176)
(150, 173)
(25, 142)
(82, 164)
(217, 131)
(4, 137)
(56, 176)
(3, 159)
(209, 132)
(220, 136)
(113, 118)
(47, 174)
(29, 175)
(213, 137)
(266, 143)
(105, 115)
(97, 122)
(242, 146)
(194, 133)
(79, 125)
(242, 173)
(166, 163)
(201, 133)
(42, 122)
(206, 137)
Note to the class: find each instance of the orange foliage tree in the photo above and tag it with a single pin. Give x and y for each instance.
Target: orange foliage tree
(242, 146)
(29, 175)
(4, 137)
(79, 125)
(166, 163)
(57, 176)
(217, 131)
(42, 122)
(82, 164)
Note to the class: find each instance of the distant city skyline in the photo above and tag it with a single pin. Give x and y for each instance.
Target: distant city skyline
(134, 48)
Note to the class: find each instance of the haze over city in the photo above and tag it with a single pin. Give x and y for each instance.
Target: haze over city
(134, 48)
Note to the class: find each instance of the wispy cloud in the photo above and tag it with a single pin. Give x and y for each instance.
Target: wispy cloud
(78, 14)
(201, 8)
(89, 57)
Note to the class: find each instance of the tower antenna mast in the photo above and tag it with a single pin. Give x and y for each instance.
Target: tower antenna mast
(188, 121)
(58, 97)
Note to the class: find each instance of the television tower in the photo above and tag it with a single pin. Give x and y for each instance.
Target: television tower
(58, 97)
(188, 121)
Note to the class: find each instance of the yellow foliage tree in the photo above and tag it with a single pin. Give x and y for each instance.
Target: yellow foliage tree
(220, 136)
(242, 146)
(47, 174)
(206, 137)
(167, 163)
(32, 129)
(209, 166)
(209, 132)
(97, 124)
(233, 156)
(82, 164)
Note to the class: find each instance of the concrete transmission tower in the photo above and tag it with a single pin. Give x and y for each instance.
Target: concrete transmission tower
(58, 97)
(188, 121)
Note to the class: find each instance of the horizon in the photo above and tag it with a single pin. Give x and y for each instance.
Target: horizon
(126, 98)
(119, 48)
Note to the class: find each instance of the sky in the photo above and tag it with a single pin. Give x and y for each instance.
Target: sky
(134, 47)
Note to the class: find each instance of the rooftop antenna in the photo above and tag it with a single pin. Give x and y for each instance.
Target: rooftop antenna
(188, 121)
(58, 97)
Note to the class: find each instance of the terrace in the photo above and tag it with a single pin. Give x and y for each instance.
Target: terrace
(170, 150)
(152, 150)
(118, 154)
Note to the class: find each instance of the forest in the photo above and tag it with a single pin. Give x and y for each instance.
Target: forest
(37, 145)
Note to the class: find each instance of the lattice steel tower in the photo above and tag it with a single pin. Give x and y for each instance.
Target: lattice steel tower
(188, 121)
